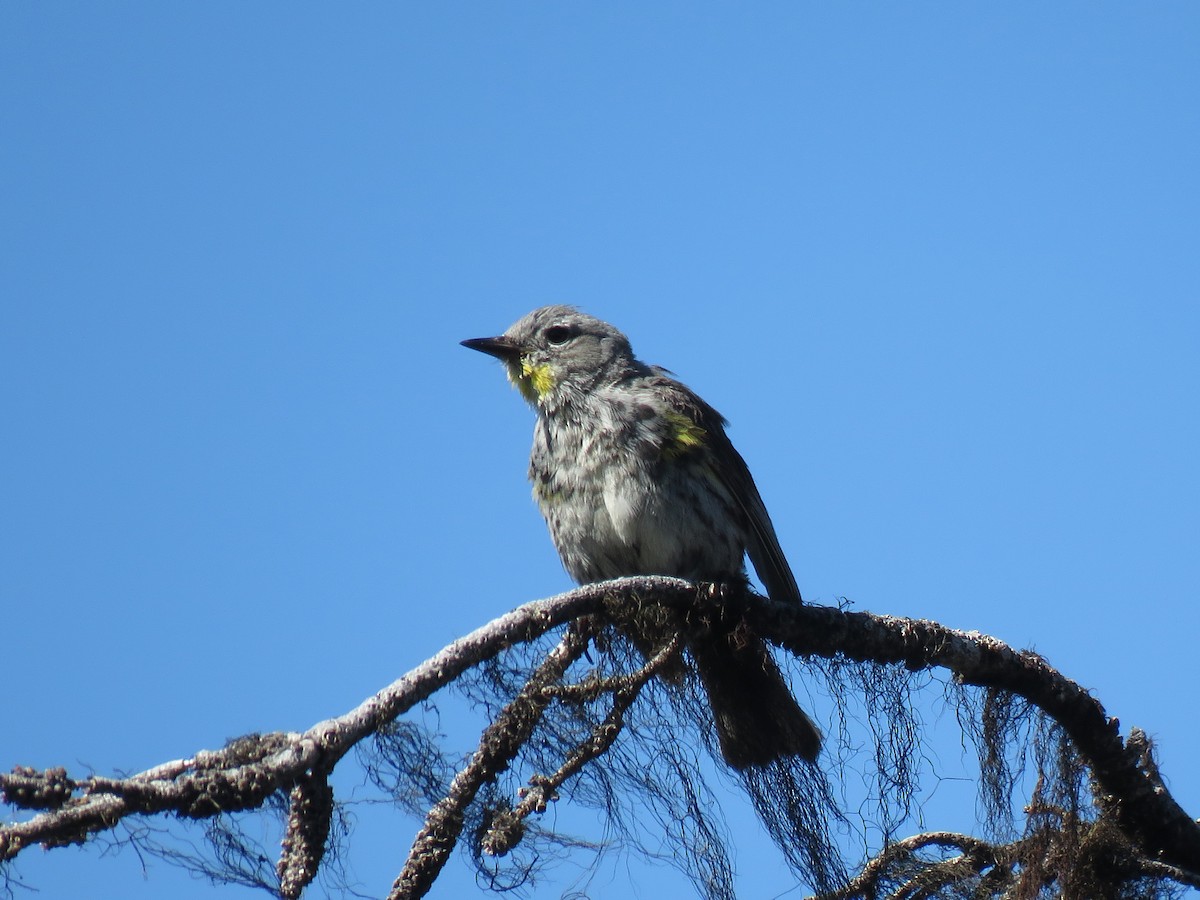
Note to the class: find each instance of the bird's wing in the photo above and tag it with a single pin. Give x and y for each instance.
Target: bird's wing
(731, 470)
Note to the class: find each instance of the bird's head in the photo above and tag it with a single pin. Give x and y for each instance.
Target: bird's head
(557, 351)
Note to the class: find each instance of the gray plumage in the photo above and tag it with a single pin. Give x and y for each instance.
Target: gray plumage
(635, 475)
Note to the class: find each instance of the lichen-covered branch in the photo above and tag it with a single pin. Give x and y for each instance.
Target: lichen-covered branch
(501, 742)
(1134, 793)
(310, 813)
(506, 828)
(1165, 841)
(921, 865)
(241, 775)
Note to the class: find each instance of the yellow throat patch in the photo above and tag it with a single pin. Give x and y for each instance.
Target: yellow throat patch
(533, 380)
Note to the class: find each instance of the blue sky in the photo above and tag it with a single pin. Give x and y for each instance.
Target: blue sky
(936, 263)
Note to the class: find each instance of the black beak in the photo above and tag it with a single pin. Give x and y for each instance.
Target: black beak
(500, 347)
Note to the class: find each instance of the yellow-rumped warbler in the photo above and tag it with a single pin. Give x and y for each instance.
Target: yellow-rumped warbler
(635, 476)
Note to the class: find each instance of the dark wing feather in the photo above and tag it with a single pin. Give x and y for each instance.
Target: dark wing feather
(762, 542)
(763, 545)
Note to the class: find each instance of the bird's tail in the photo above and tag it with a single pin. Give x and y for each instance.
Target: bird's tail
(756, 716)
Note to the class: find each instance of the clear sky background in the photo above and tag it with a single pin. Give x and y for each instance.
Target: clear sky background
(937, 263)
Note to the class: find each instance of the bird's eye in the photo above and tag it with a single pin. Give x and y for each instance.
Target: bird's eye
(558, 334)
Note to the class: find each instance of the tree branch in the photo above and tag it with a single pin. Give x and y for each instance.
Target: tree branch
(243, 774)
(501, 741)
(505, 829)
(1142, 807)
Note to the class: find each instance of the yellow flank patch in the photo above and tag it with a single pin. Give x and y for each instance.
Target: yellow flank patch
(684, 435)
(543, 493)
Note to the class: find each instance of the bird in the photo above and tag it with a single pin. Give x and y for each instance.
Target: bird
(635, 475)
